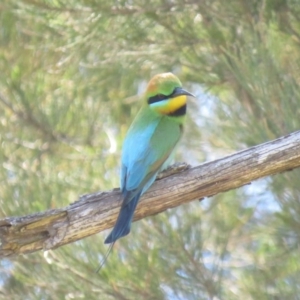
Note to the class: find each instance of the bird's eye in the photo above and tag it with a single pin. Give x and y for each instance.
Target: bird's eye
(156, 98)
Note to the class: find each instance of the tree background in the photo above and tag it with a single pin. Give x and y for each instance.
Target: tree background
(71, 73)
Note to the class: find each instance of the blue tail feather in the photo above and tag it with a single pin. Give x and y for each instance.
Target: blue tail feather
(123, 224)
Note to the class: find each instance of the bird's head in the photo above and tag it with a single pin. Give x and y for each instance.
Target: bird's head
(166, 96)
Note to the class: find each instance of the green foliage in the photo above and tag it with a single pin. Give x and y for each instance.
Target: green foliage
(69, 70)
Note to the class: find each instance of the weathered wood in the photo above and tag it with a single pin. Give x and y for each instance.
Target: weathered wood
(95, 212)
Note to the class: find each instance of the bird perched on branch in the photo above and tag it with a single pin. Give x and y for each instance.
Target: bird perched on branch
(149, 143)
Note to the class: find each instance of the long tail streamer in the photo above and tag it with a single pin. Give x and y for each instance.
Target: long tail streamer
(105, 258)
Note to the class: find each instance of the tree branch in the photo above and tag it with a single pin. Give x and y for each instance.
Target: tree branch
(96, 212)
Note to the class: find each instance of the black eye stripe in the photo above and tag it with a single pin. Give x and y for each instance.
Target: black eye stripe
(160, 97)
(157, 98)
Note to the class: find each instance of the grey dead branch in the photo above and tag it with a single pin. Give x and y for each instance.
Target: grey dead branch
(96, 212)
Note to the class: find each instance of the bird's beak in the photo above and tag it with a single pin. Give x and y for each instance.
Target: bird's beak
(180, 91)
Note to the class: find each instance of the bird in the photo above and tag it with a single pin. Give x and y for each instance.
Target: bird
(148, 145)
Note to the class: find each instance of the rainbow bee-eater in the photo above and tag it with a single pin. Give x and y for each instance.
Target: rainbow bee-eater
(149, 143)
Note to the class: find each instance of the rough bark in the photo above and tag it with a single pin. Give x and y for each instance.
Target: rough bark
(95, 212)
